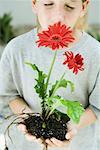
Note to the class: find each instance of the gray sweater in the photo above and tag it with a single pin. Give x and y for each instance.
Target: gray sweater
(18, 80)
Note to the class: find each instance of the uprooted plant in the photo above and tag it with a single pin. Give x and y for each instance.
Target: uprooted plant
(51, 122)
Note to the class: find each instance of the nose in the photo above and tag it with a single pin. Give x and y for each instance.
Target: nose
(57, 16)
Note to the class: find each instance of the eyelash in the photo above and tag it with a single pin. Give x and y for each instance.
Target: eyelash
(48, 4)
(71, 8)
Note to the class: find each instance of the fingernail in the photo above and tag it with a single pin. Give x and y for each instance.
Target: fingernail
(52, 139)
(42, 145)
(67, 136)
(34, 138)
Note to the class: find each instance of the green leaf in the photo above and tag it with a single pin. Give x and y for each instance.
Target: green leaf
(49, 102)
(55, 105)
(33, 66)
(73, 108)
(52, 105)
(63, 83)
(71, 85)
(40, 87)
(6, 29)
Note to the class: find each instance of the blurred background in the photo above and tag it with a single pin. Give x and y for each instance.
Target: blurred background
(16, 17)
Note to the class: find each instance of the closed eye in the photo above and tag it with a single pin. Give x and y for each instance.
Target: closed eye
(50, 4)
(69, 7)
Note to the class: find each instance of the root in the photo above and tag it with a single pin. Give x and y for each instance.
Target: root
(15, 121)
(45, 144)
(7, 131)
(45, 147)
(6, 148)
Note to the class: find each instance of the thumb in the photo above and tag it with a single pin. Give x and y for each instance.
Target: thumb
(22, 128)
(70, 134)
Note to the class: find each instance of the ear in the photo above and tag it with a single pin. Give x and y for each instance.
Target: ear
(84, 8)
(34, 6)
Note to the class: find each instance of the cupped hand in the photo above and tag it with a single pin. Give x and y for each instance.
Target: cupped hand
(53, 142)
(72, 131)
(28, 136)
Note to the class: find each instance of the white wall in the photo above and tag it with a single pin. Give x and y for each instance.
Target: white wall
(94, 12)
(22, 11)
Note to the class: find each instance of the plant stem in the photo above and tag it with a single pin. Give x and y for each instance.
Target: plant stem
(51, 67)
(43, 108)
(50, 112)
(57, 85)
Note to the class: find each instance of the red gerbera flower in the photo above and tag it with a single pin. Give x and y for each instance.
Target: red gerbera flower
(74, 62)
(56, 36)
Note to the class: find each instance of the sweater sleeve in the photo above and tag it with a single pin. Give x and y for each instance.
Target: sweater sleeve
(94, 98)
(94, 82)
(8, 89)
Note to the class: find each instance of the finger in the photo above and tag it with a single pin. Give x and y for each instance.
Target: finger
(69, 126)
(22, 128)
(61, 143)
(49, 142)
(30, 137)
(57, 142)
(39, 140)
(70, 134)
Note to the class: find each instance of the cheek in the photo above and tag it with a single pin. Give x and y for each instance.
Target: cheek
(43, 14)
(71, 18)
(43, 20)
(45, 17)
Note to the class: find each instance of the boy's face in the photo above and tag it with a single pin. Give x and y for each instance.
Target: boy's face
(51, 11)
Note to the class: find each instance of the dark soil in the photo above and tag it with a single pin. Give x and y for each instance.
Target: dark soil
(42, 128)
